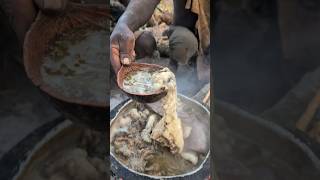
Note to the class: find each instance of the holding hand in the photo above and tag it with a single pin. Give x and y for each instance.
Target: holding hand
(122, 46)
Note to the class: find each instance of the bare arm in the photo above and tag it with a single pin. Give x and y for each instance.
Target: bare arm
(122, 38)
(138, 13)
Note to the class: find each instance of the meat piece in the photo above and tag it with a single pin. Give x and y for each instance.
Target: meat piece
(145, 134)
(134, 114)
(186, 131)
(190, 156)
(124, 150)
(137, 164)
(145, 113)
(124, 121)
(168, 131)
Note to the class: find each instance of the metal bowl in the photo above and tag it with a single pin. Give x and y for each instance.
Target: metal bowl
(144, 98)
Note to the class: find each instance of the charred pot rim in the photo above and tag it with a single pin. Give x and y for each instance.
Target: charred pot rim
(12, 161)
(120, 171)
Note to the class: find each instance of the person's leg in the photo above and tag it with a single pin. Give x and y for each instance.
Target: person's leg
(184, 17)
(183, 45)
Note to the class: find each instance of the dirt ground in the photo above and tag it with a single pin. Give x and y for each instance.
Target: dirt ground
(22, 107)
(22, 110)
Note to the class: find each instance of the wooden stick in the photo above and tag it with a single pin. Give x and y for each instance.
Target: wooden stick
(206, 98)
(307, 116)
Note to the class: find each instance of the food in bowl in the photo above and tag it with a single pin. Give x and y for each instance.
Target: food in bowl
(140, 82)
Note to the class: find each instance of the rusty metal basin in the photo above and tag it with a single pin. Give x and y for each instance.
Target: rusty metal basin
(43, 31)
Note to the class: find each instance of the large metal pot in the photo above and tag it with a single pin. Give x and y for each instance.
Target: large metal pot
(202, 170)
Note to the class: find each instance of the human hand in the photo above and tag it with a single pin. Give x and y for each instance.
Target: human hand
(122, 42)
